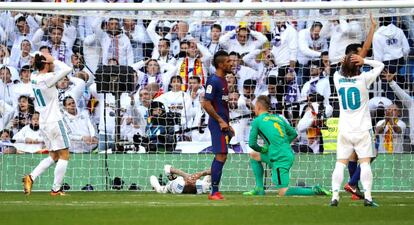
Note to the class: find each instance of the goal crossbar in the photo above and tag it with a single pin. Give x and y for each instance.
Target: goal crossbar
(203, 6)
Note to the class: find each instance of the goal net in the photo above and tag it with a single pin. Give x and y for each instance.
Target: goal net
(133, 100)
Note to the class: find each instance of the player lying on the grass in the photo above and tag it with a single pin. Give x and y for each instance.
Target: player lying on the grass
(277, 134)
(181, 182)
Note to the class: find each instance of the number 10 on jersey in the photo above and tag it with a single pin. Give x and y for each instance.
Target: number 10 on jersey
(351, 98)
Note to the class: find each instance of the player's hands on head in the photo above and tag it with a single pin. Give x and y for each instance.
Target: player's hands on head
(49, 58)
(358, 60)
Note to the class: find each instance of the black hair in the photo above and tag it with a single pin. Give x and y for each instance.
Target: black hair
(10, 132)
(316, 62)
(316, 24)
(166, 40)
(352, 48)
(236, 54)
(324, 53)
(218, 57)
(39, 63)
(20, 19)
(385, 21)
(217, 26)
(31, 108)
(176, 77)
(196, 78)
(66, 99)
(45, 47)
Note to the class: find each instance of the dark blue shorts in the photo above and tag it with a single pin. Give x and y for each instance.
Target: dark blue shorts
(218, 139)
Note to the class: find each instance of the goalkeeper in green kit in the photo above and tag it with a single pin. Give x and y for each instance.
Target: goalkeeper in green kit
(277, 135)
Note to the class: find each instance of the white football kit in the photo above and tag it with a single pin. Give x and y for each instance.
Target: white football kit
(47, 104)
(354, 128)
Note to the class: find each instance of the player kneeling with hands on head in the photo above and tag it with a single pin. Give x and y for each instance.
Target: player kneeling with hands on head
(277, 135)
(181, 182)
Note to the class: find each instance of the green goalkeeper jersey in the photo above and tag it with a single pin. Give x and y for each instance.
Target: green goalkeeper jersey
(276, 133)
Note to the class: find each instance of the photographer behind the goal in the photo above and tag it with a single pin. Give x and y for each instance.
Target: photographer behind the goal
(313, 120)
(159, 132)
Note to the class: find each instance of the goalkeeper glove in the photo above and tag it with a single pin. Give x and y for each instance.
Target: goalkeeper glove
(265, 149)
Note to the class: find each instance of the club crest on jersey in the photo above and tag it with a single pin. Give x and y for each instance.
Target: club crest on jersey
(209, 89)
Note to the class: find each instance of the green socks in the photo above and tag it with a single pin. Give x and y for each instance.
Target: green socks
(257, 168)
(299, 191)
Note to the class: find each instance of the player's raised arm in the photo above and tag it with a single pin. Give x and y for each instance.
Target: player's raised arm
(368, 41)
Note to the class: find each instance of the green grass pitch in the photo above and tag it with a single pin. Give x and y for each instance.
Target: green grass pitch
(147, 208)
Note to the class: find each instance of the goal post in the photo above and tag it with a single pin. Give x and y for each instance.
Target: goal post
(139, 75)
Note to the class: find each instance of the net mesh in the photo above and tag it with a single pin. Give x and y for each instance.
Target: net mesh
(139, 78)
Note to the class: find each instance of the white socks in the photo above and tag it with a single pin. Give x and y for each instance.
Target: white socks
(60, 171)
(42, 167)
(366, 179)
(337, 178)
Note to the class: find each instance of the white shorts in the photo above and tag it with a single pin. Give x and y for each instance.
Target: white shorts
(362, 143)
(55, 135)
(176, 186)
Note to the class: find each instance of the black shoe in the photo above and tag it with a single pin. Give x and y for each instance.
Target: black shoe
(334, 203)
(369, 203)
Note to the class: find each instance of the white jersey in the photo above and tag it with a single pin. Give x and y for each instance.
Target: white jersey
(353, 98)
(46, 94)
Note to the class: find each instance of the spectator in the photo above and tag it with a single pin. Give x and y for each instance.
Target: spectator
(6, 86)
(164, 54)
(82, 133)
(241, 72)
(265, 66)
(317, 83)
(71, 86)
(23, 58)
(231, 82)
(177, 101)
(4, 55)
(25, 28)
(24, 113)
(244, 42)
(115, 44)
(248, 98)
(160, 130)
(311, 46)
(6, 147)
(390, 46)
(284, 46)
(160, 49)
(240, 125)
(6, 114)
(406, 100)
(60, 50)
(215, 33)
(391, 131)
(152, 73)
(311, 122)
(271, 93)
(29, 139)
(77, 63)
(24, 87)
(136, 37)
(193, 61)
(178, 33)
